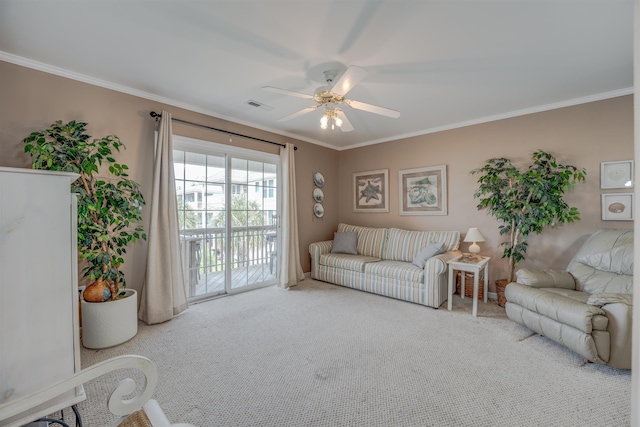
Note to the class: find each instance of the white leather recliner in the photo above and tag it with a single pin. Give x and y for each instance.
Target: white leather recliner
(588, 307)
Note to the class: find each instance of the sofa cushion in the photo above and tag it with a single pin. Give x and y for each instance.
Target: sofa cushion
(604, 263)
(345, 243)
(608, 250)
(549, 303)
(546, 278)
(432, 249)
(395, 270)
(569, 293)
(594, 281)
(599, 322)
(347, 262)
(404, 245)
(371, 241)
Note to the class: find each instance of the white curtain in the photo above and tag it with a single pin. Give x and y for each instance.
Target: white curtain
(163, 294)
(289, 259)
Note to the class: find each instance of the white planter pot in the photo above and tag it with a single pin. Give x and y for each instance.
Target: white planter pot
(105, 324)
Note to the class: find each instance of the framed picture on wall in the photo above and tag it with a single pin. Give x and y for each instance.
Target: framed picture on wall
(617, 207)
(371, 191)
(616, 174)
(423, 191)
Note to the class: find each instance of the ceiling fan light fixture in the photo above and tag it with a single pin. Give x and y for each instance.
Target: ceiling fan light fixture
(324, 120)
(330, 115)
(333, 95)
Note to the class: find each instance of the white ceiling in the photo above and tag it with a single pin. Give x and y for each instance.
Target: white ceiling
(442, 64)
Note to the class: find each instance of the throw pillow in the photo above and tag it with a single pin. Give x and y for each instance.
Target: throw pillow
(345, 243)
(432, 249)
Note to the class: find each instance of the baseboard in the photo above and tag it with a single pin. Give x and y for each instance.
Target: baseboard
(307, 275)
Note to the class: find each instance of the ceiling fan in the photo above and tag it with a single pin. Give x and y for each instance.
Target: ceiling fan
(332, 97)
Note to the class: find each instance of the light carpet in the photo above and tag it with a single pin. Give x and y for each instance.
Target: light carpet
(325, 355)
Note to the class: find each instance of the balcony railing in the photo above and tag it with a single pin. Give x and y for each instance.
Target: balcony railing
(252, 249)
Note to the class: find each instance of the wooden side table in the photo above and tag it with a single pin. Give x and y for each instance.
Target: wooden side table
(473, 264)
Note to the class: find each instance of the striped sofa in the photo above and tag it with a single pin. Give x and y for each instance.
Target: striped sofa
(384, 266)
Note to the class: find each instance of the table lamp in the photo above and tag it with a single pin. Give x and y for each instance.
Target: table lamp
(473, 235)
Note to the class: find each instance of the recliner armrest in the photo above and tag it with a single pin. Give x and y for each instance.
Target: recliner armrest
(557, 307)
(603, 299)
(620, 315)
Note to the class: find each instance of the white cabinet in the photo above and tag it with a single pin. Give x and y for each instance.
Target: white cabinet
(39, 334)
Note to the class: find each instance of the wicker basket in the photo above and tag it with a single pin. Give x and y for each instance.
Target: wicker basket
(468, 285)
(500, 285)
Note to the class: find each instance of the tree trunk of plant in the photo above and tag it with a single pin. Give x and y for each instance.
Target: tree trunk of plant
(512, 261)
(512, 270)
(114, 289)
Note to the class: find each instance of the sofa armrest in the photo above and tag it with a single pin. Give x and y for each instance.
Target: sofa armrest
(437, 265)
(315, 250)
(549, 278)
(556, 307)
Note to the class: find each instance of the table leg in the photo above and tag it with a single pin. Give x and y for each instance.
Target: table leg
(450, 290)
(486, 282)
(462, 285)
(476, 279)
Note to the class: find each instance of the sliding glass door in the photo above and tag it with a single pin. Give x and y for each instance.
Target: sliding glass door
(228, 210)
(253, 213)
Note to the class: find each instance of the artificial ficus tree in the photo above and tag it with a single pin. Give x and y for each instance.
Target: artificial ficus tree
(109, 204)
(526, 201)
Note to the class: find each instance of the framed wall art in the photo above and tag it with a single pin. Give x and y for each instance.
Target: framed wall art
(617, 207)
(423, 191)
(371, 191)
(616, 174)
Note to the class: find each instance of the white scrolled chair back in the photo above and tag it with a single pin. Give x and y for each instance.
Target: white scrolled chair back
(117, 404)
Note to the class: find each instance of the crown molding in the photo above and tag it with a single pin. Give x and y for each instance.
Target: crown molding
(509, 115)
(50, 69)
(40, 66)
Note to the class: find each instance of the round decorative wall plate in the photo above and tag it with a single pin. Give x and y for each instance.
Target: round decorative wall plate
(318, 195)
(318, 210)
(318, 179)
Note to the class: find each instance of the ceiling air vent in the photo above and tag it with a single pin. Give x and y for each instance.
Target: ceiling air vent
(259, 105)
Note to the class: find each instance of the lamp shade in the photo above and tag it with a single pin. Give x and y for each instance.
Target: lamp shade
(474, 235)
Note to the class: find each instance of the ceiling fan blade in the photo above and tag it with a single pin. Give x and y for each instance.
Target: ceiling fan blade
(372, 108)
(346, 125)
(287, 92)
(298, 113)
(348, 80)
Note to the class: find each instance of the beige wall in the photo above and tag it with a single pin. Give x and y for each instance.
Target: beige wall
(32, 100)
(583, 135)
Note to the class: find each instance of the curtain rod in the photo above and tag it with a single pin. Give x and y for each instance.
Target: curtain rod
(157, 116)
